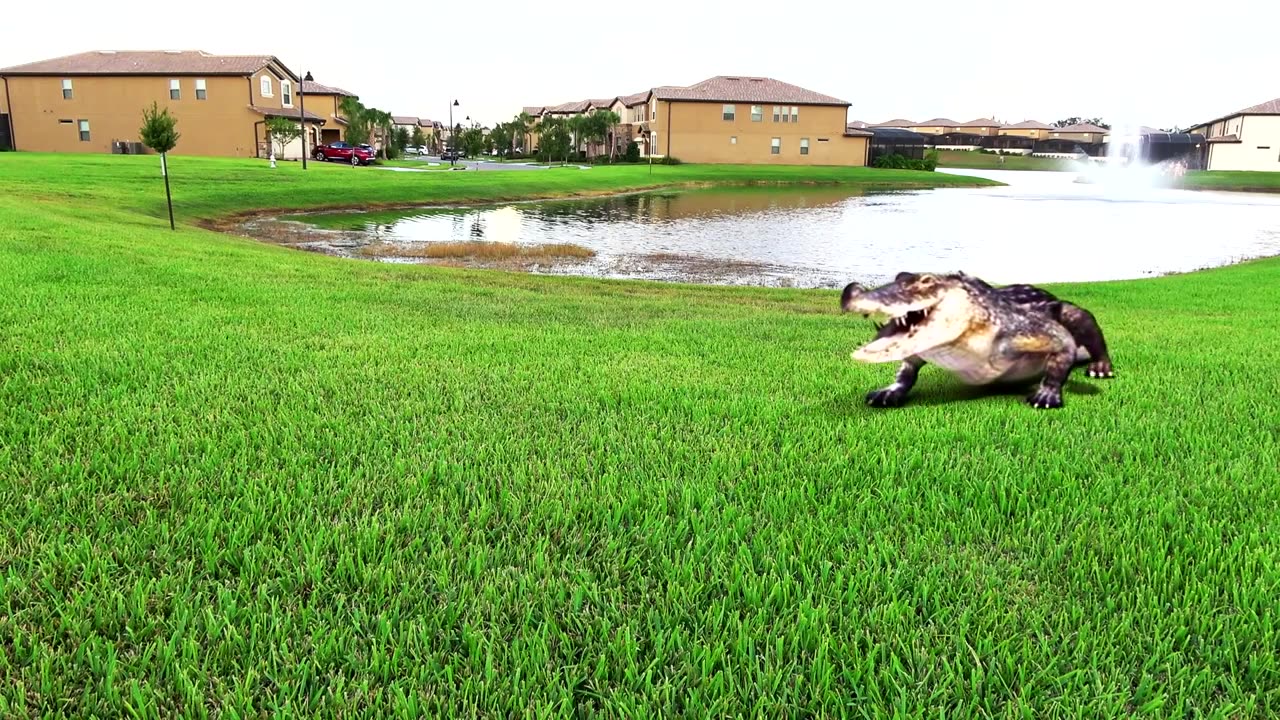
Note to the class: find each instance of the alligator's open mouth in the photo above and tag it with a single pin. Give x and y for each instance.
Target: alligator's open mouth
(902, 323)
(899, 333)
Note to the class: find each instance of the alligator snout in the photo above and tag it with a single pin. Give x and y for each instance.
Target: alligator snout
(851, 291)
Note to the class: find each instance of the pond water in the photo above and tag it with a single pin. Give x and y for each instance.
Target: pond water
(1040, 227)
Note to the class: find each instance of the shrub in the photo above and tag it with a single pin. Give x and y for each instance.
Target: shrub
(669, 160)
(894, 161)
(632, 154)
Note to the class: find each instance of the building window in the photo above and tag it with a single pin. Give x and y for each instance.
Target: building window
(175, 89)
(733, 139)
(804, 146)
(201, 92)
(777, 113)
(757, 113)
(66, 122)
(286, 93)
(266, 86)
(795, 114)
(729, 112)
(66, 89)
(84, 131)
(775, 147)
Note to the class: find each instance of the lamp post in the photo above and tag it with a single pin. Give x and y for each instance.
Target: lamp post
(452, 141)
(302, 115)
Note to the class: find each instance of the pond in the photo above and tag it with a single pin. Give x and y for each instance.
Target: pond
(1040, 227)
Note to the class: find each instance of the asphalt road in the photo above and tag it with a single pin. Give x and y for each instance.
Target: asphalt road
(474, 164)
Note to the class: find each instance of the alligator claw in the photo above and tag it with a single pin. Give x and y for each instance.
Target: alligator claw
(886, 397)
(1045, 399)
(1100, 370)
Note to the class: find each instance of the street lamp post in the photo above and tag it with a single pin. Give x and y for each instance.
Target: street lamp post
(452, 140)
(302, 115)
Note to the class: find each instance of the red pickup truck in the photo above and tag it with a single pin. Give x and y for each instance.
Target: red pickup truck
(345, 152)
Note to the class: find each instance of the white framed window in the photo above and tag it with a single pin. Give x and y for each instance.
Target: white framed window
(804, 146)
(777, 114)
(286, 93)
(757, 113)
(729, 112)
(84, 131)
(202, 92)
(266, 87)
(733, 139)
(66, 89)
(795, 114)
(175, 89)
(775, 146)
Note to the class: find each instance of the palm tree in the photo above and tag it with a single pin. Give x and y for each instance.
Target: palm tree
(520, 127)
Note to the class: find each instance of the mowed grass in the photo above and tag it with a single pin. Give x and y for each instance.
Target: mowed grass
(988, 161)
(1243, 181)
(238, 480)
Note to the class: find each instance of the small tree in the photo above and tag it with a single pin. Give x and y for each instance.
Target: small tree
(418, 139)
(283, 131)
(400, 139)
(159, 132)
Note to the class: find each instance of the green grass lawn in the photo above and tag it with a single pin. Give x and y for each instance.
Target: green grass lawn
(240, 480)
(988, 161)
(1232, 180)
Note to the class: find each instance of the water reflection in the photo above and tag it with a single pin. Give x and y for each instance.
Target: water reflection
(1042, 227)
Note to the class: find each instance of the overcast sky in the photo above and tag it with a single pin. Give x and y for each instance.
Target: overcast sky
(1158, 64)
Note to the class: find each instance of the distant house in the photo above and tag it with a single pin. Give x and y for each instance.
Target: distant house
(1033, 129)
(408, 122)
(896, 123)
(936, 126)
(732, 119)
(327, 101)
(92, 102)
(981, 126)
(1247, 139)
(1085, 133)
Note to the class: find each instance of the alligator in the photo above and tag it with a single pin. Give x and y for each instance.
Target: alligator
(980, 333)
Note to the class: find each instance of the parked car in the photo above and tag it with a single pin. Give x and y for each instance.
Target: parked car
(451, 155)
(344, 152)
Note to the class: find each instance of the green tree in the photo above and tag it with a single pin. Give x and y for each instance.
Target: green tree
(554, 139)
(600, 128)
(520, 127)
(159, 132)
(501, 137)
(418, 139)
(402, 138)
(358, 129)
(281, 131)
(472, 141)
(579, 127)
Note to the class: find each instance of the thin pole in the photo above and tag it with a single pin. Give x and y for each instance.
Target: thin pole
(302, 119)
(164, 165)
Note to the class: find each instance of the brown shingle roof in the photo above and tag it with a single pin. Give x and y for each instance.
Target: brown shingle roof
(604, 103)
(737, 88)
(1270, 107)
(404, 120)
(292, 113)
(937, 122)
(314, 88)
(857, 132)
(636, 99)
(149, 62)
(533, 109)
(1081, 128)
(1029, 125)
(570, 107)
(423, 122)
(980, 122)
(896, 122)
(856, 125)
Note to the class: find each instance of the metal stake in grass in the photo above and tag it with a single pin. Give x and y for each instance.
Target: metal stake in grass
(159, 132)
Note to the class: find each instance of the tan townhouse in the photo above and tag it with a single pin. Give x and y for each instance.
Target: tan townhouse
(936, 126)
(985, 127)
(1033, 129)
(93, 101)
(1087, 133)
(326, 101)
(1247, 139)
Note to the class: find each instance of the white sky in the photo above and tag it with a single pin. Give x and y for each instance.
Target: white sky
(1152, 63)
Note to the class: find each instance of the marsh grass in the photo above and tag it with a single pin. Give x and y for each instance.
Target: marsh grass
(237, 480)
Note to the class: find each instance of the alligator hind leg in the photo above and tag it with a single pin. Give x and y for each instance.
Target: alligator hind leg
(1084, 328)
(895, 394)
(1056, 371)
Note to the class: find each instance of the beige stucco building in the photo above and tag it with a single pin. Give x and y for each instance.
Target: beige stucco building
(981, 126)
(93, 102)
(936, 126)
(1248, 139)
(1080, 132)
(326, 101)
(1029, 129)
(733, 119)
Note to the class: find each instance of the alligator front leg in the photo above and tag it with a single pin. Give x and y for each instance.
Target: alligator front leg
(1057, 369)
(895, 394)
(1084, 328)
